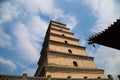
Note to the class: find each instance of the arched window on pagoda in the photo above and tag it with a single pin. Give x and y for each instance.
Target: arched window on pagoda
(66, 42)
(75, 64)
(69, 50)
(63, 35)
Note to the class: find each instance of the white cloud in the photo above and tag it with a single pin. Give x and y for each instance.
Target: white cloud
(71, 22)
(82, 42)
(8, 64)
(105, 11)
(49, 9)
(24, 43)
(21, 65)
(36, 6)
(28, 37)
(5, 39)
(37, 27)
(8, 12)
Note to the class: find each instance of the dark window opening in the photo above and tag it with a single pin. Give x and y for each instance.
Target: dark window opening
(99, 77)
(60, 29)
(75, 64)
(85, 77)
(69, 50)
(66, 42)
(63, 35)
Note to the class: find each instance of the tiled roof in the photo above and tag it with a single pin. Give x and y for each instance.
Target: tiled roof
(109, 37)
(25, 77)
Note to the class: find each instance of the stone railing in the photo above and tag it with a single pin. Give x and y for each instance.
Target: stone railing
(25, 77)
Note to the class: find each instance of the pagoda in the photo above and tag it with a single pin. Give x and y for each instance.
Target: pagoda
(63, 56)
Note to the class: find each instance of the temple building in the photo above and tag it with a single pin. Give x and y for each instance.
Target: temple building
(62, 56)
(109, 37)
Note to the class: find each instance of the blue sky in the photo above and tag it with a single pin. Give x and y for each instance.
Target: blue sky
(23, 24)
